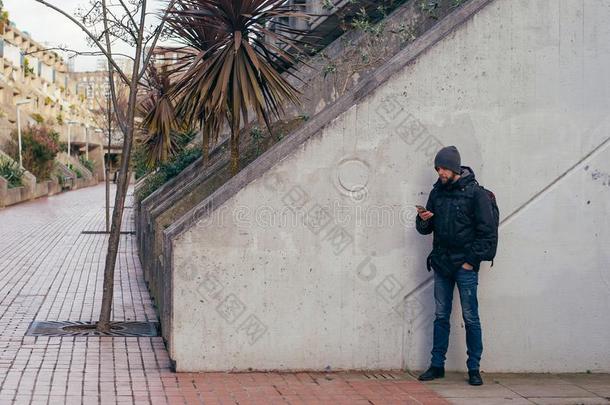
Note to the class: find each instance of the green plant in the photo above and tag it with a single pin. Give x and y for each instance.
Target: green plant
(138, 159)
(38, 118)
(257, 136)
(11, 172)
(60, 119)
(140, 154)
(430, 7)
(328, 4)
(75, 170)
(457, 3)
(48, 101)
(40, 145)
(405, 33)
(27, 69)
(329, 69)
(88, 163)
(152, 183)
(363, 22)
(167, 171)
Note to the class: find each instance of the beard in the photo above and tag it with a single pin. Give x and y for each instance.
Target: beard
(447, 180)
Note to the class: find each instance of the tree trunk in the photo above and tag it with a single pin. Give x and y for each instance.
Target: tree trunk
(103, 324)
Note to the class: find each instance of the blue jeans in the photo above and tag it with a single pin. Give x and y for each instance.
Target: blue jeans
(467, 281)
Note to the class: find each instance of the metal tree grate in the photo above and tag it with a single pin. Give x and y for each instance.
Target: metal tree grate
(87, 329)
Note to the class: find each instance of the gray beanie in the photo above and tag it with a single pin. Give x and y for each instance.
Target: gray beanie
(449, 158)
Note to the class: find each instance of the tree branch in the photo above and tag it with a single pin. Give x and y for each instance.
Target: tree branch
(89, 34)
(156, 37)
(119, 24)
(133, 21)
(75, 52)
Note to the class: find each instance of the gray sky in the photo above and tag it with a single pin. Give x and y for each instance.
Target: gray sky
(48, 26)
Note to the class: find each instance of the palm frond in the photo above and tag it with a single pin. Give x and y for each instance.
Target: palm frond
(159, 124)
(235, 63)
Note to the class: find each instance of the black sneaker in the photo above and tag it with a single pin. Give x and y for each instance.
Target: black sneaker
(474, 377)
(432, 373)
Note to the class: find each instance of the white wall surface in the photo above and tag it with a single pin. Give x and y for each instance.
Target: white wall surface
(523, 90)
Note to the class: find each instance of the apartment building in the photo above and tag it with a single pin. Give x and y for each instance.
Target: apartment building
(37, 82)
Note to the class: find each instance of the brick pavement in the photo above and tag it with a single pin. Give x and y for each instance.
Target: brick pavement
(50, 271)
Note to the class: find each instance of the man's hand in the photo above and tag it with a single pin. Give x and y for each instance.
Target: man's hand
(467, 266)
(425, 215)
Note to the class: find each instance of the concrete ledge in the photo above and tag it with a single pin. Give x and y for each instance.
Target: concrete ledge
(32, 189)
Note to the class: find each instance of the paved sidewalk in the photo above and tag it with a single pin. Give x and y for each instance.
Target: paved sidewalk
(50, 271)
(517, 389)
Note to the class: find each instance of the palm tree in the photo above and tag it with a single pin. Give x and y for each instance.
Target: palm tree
(159, 123)
(235, 63)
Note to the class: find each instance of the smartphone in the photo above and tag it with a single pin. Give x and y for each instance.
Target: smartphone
(420, 208)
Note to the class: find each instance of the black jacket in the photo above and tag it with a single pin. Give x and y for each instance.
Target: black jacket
(463, 221)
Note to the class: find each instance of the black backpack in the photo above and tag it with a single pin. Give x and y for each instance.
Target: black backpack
(496, 213)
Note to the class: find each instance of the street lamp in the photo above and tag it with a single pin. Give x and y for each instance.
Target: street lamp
(69, 142)
(18, 104)
(87, 141)
(101, 132)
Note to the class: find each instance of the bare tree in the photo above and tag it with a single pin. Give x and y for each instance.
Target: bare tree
(107, 23)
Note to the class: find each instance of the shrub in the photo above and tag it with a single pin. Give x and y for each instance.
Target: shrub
(141, 155)
(40, 145)
(11, 171)
(138, 159)
(75, 170)
(88, 163)
(167, 171)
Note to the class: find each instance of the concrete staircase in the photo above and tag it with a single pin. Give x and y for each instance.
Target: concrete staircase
(343, 73)
(308, 260)
(334, 79)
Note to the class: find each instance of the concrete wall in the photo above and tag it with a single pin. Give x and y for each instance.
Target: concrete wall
(33, 189)
(316, 262)
(11, 196)
(15, 195)
(320, 88)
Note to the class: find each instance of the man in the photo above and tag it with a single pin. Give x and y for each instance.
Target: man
(460, 214)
